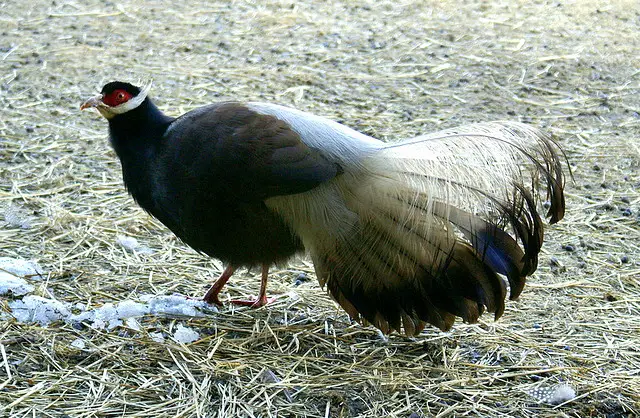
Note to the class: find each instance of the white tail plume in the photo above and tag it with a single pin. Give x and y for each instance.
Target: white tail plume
(423, 230)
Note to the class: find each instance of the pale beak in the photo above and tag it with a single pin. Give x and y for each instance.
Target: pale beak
(92, 102)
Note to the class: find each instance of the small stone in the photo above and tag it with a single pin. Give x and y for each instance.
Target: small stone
(624, 259)
(553, 261)
(300, 279)
(627, 212)
(569, 247)
(78, 343)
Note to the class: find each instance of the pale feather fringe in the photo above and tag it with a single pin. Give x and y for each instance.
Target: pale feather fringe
(458, 167)
(468, 168)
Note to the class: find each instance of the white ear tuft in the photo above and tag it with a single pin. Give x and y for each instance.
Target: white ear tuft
(147, 87)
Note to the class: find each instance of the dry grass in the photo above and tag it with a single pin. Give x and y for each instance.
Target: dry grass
(390, 69)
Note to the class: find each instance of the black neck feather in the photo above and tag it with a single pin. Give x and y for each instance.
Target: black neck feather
(138, 130)
(137, 137)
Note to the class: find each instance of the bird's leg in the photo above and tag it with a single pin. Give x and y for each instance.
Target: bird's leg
(262, 298)
(212, 293)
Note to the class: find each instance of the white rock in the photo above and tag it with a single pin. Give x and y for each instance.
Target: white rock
(133, 324)
(78, 343)
(108, 316)
(185, 334)
(175, 305)
(128, 243)
(98, 324)
(131, 244)
(38, 309)
(20, 267)
(14, 285)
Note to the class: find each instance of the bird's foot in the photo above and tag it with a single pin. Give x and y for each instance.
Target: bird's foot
(256, 303)
(212, 298)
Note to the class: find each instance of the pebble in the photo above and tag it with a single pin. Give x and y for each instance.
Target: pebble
(77, 325)
(301, 278)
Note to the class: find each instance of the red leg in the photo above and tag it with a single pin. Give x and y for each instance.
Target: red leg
(212, 293)
(262, 298)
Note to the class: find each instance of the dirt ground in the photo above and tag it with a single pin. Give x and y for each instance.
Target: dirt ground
(391, 69)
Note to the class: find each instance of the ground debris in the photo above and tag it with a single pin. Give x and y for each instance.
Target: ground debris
(393, 70)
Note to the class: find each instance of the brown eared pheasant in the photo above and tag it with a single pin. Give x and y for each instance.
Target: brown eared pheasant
(402, 234)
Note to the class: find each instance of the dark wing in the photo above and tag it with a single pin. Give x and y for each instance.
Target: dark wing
(247, 153)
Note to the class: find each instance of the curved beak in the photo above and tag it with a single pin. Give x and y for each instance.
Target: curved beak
(92, 102)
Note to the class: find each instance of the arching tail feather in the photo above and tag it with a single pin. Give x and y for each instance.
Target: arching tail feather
(423, 233)
(493, 245)
(365, 307)
(473, 148)
(464, 288)
(554, 158)
(497, 249)
(521, 213)
(453, 256)
(390, 286)
(383, 282)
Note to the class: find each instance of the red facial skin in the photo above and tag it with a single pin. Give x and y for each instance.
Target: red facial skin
(116, 97)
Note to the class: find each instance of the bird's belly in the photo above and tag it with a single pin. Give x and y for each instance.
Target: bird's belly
(239, 234)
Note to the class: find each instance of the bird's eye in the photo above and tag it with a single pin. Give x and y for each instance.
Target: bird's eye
(117, 97)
